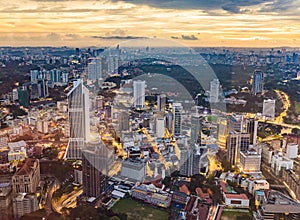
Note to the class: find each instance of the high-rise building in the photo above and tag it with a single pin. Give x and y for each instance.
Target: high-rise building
(123, 121)
(257, 83)
(237, 142)
(250, 161)
(195, 128)
(78, 106)
(24, 203)
(96, 162)
(177, 114)
(27, 178)
(214, 91)
(161, 102)
(139, 93)
(193, 160)
(34, 74)
(95, 69)
(269, 108)
(55, 75)
(23, 96)
(160, 127)
(235, 123)
(251, 128)
(222, 130)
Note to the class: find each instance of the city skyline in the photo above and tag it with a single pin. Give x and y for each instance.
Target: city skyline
(217, 23)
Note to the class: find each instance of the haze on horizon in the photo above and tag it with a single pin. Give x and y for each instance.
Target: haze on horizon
(79, 23)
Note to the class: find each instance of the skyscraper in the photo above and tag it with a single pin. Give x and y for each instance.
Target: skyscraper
(214, 91)
(237, 142)
(78, 105)
(96, 162)
(161, 102)
(177, 113)
(139, 93)
(257, 83)
(251, 128)
(195, 128)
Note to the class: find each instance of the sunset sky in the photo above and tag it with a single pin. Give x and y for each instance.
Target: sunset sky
(77, 23)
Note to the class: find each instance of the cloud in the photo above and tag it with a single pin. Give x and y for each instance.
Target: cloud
(119, 37)
(232, 6)
(185, 37)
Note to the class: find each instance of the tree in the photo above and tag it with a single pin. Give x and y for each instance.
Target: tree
(84, 212)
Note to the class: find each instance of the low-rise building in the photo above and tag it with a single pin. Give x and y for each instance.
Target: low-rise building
(151, 195)
(17, 151)
(232, 198)
(27, 178)
(292, 179)
(280, 162)
(250, 161)
(23, 204)
(134, 170)
(5, 199)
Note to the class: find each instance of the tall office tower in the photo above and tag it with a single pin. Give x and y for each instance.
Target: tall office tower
(269, 108)
(79, 120)
(251, 128)
(195, 128)
(214, 91)
(96, 162)
(139, 93)
(23, 96)
(235, 123)
(177, 123)
(95, 69)
(237, 142)
(161, 102)
(257, 83)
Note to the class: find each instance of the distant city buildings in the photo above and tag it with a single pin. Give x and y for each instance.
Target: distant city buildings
(139, 93)
(257, 83)
(95, 68)
(214, 91)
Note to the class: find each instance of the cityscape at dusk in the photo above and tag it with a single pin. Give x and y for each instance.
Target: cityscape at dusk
(151, 110)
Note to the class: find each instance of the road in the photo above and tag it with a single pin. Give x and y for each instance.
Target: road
(48, 206)
(66, 201)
